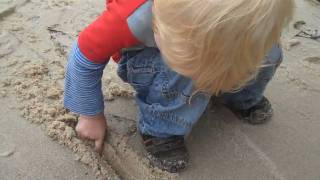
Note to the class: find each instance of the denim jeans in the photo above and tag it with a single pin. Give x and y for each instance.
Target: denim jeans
(166, 100)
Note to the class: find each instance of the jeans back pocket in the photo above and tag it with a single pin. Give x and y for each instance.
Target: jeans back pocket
(142, 69)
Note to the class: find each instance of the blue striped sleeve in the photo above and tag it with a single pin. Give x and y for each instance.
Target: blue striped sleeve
(82, 93)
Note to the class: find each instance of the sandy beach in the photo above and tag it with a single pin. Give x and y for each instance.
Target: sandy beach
(37, 135)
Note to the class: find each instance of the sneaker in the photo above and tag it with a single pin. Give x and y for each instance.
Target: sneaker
(258, 114)
(169, 154)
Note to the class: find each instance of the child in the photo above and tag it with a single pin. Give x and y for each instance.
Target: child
(176, 54)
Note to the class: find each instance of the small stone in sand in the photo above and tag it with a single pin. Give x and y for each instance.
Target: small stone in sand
(299, 24)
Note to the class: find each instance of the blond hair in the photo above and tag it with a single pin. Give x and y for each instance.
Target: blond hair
(220, 44)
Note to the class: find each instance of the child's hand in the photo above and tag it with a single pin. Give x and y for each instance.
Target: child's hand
(93, 128)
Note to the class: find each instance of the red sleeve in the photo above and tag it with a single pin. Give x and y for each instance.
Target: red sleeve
(109, 33)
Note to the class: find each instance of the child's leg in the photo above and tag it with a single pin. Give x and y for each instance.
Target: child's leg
(252, 94)
(166, 112)
(163, 96)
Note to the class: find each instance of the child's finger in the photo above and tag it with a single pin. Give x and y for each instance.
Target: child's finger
(99, 145)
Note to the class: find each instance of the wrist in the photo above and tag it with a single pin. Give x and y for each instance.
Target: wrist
(89, 117)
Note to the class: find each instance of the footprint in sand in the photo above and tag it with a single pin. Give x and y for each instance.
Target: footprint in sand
(6, 149)
(313, 60)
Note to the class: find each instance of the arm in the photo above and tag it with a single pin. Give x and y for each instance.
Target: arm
(108, 34)
(83, 94)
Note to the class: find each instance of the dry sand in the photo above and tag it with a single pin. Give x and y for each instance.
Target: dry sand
(35, 38)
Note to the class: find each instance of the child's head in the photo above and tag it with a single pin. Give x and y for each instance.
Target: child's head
(218, 43)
